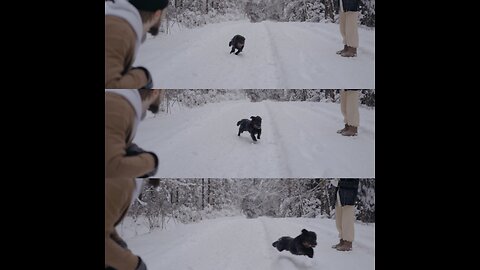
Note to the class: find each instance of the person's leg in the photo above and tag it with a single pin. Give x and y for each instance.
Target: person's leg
(351, 33)
(348, 232)
(338, 222)
(343, 108)
(342, 31)
(352, 113)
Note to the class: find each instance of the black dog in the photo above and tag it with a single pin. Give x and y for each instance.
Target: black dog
(237, 42)
(300, 245)
(254, 126)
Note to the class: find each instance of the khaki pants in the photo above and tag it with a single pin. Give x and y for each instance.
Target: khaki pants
(345, 218)
(349, 28)
(349, 105)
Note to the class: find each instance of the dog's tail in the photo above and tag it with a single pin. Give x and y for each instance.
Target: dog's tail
(239, 122)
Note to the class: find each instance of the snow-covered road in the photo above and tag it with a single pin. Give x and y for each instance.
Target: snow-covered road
(277, 55)
(237, 243)
(299, 140)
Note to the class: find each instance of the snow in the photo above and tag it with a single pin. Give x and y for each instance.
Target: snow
(237, 243)
(277, 55)
(298, 140)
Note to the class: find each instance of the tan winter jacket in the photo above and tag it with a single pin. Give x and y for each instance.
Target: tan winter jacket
(120, 172)
(123, 36)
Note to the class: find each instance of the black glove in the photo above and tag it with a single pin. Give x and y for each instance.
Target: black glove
(141, 265)
(149, 84)
(152, 173)
(134, 150)
(120, 242)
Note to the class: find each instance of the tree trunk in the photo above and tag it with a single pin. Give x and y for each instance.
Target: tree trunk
(304, 12)
(208, 191)
(329, 10)
(328, 201)
(203, 196)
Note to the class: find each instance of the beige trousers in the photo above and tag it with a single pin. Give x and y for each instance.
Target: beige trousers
(349, 105)
(345, 218)
(349, 28)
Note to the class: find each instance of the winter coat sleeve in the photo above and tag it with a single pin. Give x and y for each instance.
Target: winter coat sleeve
(115, 255)
(118, 125)
(120, 42)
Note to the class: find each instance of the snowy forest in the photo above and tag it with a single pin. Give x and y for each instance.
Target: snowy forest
(192, 200)
(192, 13)
(198, 97)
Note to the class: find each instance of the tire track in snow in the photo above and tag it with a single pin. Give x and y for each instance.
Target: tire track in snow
(277, 64)
(283, 152)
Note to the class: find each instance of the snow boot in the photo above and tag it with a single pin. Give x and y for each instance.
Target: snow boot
(342, 50)
(351, 131)
(349, 52)
(339, 244)
(343, 129)
(347, 246)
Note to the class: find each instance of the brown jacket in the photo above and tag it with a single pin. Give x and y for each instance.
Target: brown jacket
(120, 43)
(120, 172)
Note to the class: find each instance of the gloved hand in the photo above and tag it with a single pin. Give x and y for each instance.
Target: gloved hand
(134, 150)
(149, 84)
(152, 173)
(141, 265)
(120, 242)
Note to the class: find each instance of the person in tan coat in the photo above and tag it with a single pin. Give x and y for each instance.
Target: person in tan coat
(124, 162)
(126, 26)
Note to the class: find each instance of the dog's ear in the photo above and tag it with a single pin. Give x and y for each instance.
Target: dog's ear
(304, 231)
